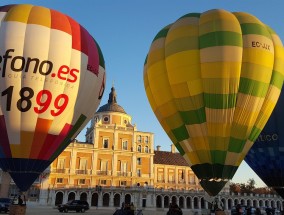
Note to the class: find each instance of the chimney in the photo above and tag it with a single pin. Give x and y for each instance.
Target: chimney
(173, 148)
(158, 148)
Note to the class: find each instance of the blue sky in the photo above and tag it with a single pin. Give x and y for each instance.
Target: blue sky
(125, 29)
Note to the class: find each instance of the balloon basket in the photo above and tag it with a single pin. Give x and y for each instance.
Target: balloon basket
(220, 213)
(17, 210)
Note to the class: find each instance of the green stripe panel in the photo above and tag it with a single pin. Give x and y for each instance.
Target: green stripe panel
(220, 101)
(218, 156)
(216, 141)
(254, 28)
(194, 116)
(193, 102)
(252, 87)
(163, 33)
(197, 15)
(220, 38)
(182, 44)
(277, 79)
(180, 149)
(255, 132)
(236, 145)
(101, 57)
(208, 171)
(67, 139)
(180, 133)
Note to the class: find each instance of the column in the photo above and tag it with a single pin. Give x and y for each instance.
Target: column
(44, 189)
(111, 196)
(65, 196)
(100, 199)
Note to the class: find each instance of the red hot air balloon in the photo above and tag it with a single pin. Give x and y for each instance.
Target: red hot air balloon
(52, 79)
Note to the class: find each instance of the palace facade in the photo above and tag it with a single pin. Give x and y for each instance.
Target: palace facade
(118, 163)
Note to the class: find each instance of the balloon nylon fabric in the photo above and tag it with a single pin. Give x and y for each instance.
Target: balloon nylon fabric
(266, 156)
(212, 80)
(52, 79)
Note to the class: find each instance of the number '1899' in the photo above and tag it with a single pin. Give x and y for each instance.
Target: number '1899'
(43, 100)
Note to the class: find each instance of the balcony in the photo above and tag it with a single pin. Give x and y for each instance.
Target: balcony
(81, 171)
(124, 174)
(99, 172)
(58, 171)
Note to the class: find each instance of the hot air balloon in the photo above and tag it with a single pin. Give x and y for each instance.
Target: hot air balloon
(52, 79)
(266, 156)
(212, 80)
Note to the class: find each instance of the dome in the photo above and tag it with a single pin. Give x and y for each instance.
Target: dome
(112, 104)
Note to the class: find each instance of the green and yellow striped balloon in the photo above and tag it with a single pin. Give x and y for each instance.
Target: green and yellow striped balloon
(212, 80)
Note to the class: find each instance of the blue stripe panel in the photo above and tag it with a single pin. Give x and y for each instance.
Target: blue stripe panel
(23, 171)
(266, 157)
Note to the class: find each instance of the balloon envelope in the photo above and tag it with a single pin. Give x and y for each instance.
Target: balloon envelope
(212, 80)
(266, 156)
(52, 79)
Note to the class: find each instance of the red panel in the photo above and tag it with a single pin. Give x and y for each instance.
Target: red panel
(52, 143)
(60, 22)
(40, 133)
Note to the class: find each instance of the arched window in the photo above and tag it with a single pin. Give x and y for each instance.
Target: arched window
(146, 139)
(146, 149)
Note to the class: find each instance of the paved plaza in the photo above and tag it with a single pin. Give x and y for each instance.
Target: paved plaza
(48, 210)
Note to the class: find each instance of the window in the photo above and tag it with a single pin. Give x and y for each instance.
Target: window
(123, 168)
(146, 149)
(124, 144)
(191, 179)
(123, 183)
(139, 149)
(139, 139)
(104, 167)
(83, 164)
(105, 143)
(139, 161)
(106, 119)
(146, 139)
(160, 177)
(60, 164)
(59, 180)
(103, 182)
(139, 172)
(82, 181)
(171, 175)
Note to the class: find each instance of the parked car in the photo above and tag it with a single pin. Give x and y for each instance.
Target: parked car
(74, 205)
(5, 204)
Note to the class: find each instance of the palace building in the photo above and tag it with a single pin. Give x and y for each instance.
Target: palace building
(118, 163)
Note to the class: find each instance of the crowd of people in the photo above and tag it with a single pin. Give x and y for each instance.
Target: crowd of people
(174, 209)
(128, 209)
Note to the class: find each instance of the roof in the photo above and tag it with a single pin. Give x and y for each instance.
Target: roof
(169, 158)
(112, 104)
